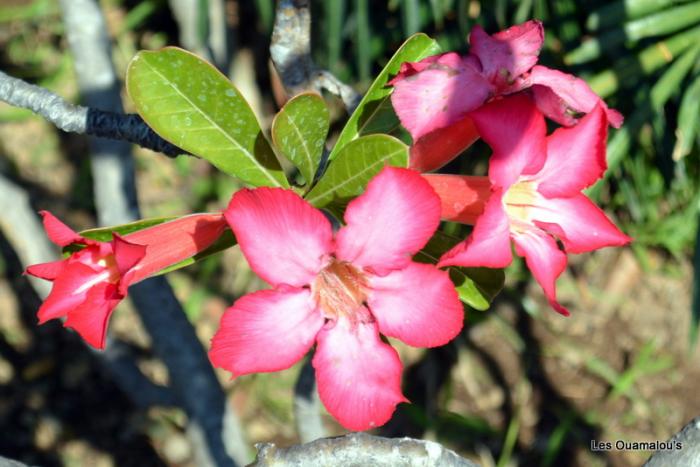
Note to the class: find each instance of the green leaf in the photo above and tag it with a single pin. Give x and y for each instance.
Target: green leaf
(374, 110)
(695, 305)
(363, 38)
(688, 120)
(616, 12)
(664, 22)
(189, 103)
(299, 131)
(670, 81)
(104, 234)
(477, 287)
(628, 70)
(356, 164)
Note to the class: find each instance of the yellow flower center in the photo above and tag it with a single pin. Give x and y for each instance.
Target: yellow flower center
(110, 264)
(340, 290)
(518, 200)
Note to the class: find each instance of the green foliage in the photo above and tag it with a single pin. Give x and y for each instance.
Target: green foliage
(357, 162)
(623, 383)
(24, 11)
(299, 131)
(688, 114)
(189, 103)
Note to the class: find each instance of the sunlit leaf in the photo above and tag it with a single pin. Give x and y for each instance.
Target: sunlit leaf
(670, 82)
(374, 110)
(688, 120)
(104, 234)
(356, 164)
(299, 131)
(189, 103)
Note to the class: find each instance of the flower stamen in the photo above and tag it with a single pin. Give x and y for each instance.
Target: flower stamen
(341, 290)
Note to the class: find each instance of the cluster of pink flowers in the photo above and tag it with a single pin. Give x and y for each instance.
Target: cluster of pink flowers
(532, 194)
(341, 291)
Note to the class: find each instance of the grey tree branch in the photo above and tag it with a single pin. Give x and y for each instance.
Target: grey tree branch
(361, 449)
(290, 51)
(83, 120)
(214, 44)
(213, 428)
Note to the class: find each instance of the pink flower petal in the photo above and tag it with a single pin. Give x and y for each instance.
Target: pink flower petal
(579, 224)
(358, 376)
(173, 241)
(264, 331)
(390, 222)
(417, 304)
(516, 131)
(489, 243)
(575, 157)
(507, 54)
(559, 94)
(69, 290)
(437, 148)
(439, 95)
(462, 197)
(544, 259)
(126, 254)
(90, 318)
(278, 224)
(48, 271)
(409, 69)
(58, 232)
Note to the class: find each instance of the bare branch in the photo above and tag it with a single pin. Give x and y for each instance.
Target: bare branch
(212, 426)
(68, 117)
(290, 51)
(348, 95)
(83, 120)
(215, 43)
(360, 449)
(23, 230)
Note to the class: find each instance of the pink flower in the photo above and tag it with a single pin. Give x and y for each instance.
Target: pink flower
(434, 96)
(535, 195)
(92, 281)
(339, 292)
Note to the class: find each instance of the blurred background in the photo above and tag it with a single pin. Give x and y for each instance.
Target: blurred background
(522, 385)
